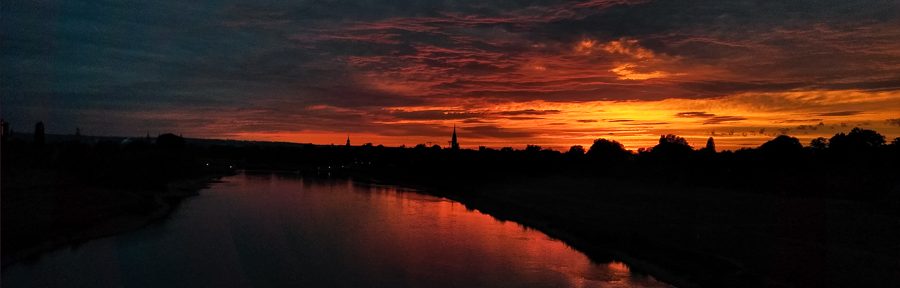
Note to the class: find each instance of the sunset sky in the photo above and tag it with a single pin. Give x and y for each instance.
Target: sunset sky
(552, 73)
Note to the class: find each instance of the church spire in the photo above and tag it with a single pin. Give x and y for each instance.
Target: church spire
(453, 144)
(348, 141)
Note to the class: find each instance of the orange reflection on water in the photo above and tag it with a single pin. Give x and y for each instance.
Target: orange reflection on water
(285, 231)
(441, 237)
(618, 266)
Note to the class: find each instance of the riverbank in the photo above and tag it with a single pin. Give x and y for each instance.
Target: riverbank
(692, 237)
(503, 210)
(597, 252)
(40, 219)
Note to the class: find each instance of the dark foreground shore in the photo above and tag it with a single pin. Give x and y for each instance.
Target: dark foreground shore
(781, 215)
(702, 237)
(40, 219)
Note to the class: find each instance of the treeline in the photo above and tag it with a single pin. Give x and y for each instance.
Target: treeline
(859, 165)
(104, 162)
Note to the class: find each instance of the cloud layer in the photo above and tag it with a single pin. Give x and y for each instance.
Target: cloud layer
(402, 72)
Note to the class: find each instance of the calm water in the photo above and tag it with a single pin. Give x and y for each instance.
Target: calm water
(280, 231)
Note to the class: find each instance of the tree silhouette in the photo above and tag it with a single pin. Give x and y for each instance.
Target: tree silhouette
(819, 143)
(673, 139)
(607, 150)
(532, 148)
(672, 146)
(710, 145)
(170, 141)
(858, 140)
(576, 150)
(782, 146)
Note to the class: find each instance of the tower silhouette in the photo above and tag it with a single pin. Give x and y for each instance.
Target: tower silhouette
(348, 141)
(710, 145)
(39, 133)
(453, 143)
(4, 130)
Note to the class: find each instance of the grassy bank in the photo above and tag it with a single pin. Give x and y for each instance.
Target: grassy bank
(70, 189)
(41, 218)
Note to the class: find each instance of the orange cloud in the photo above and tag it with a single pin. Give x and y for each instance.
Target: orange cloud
(628, 47)
(585, 46)
(627, 72)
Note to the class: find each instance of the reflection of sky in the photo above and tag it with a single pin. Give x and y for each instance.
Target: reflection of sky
(475, 243)
(554, 73)
(269, 231)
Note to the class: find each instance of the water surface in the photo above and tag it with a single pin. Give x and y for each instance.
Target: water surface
(286, 231)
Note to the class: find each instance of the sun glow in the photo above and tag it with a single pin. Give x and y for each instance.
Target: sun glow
(734, 121)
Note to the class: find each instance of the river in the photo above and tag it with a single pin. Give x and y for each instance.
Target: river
(276, 230)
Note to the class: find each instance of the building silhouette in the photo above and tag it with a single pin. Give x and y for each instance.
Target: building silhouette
(348, 141)
(4, 129)
(454, 145)
(39, 133)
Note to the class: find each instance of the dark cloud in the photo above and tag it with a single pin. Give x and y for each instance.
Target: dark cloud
(520, 118)
(528, 112)
(491, 131)
(723, 119)
(841, 113)
(646, 123)
(694, 115)
(801, 120)
(433, 115)
(402, 129)
(587, 121)
(807, 127)
(709, 117)
(727, 87)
